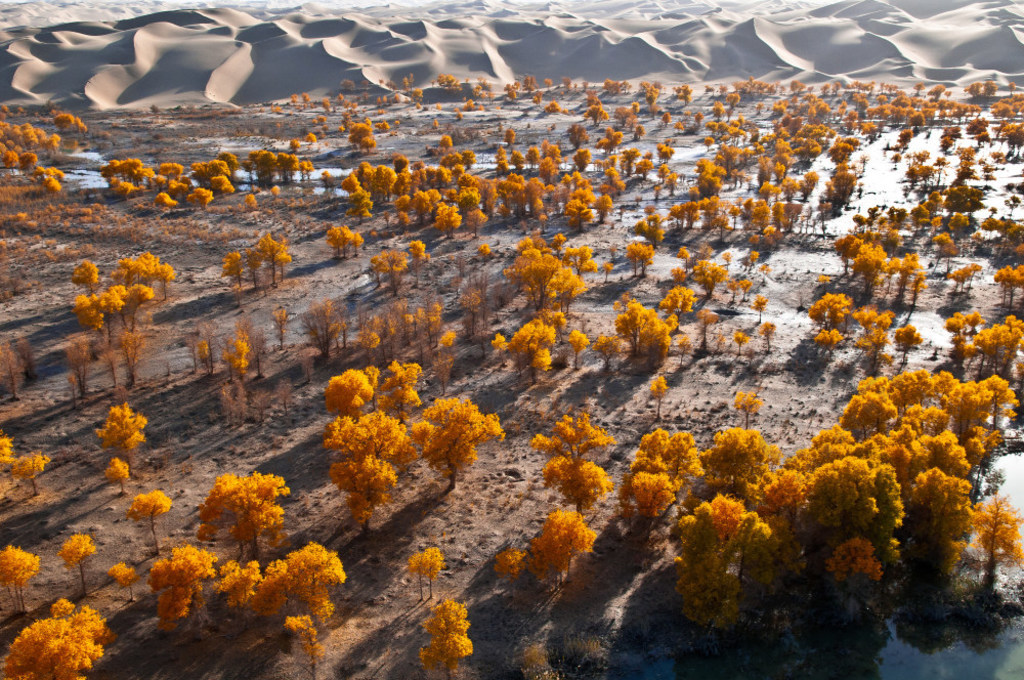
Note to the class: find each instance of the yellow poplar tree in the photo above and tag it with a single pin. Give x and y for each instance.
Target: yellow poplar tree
(122, 431)
(149, 506)
(451, 431)
(737, 462)
(116, 472)
(449, 643)
(532, 346)
(304, 628)
(398, 391)
(997, 535)
(180, 579)
(75, 551)
(721, 541)
(659, 388)
(346, 394)
(239, 582)
(60, 647)
(581, 482)
(564, 535)
(426, 565)
(125, 576)
(579, 342)
(28, 467)
(17, 567)
(252, 503)
(371, 446)
(509, 563)
(306, 575)
(663, 464)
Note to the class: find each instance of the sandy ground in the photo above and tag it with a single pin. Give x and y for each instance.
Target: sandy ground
(621, 596)
(93, 54)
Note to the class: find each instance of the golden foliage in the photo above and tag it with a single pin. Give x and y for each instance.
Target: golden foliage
(451, 431)
(252, 503)
(60, 647)
(179, 579)
(564, 535)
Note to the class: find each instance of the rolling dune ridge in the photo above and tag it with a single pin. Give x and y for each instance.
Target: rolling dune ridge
(185, 55)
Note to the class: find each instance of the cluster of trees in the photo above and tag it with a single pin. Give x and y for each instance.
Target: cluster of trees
(130, 288)
(20, 144)
(268, 254)
(896, 480)
(373, 448)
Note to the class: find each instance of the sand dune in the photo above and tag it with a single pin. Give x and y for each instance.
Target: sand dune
(259, 52)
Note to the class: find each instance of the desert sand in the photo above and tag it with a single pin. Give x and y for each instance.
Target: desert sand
(107, 55)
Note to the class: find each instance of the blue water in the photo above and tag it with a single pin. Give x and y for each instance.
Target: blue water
(858, 654)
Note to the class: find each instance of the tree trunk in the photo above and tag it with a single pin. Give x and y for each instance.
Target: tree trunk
(152, 529)
(81, 574)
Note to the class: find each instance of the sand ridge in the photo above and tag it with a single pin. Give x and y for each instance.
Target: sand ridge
(257, 52)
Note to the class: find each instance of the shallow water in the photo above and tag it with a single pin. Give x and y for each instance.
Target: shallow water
(865, 653)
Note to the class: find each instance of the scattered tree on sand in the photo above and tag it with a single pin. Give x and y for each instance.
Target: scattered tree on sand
(125, 576)
(564, 535)
(398, 391)
(149, 506)
(748, 404)
(579, 342)
(371, 446)
(451, 431)
(658, 390)
(581, 482)
(448, 640)
(427, 564)
(75, 551)
(17, 567)
(122, 431)
(180, 579)
(117, 472)
(509, 563)
(346, 394)
(60, 647)
(306, 575)
(252, 502)
(29, 467)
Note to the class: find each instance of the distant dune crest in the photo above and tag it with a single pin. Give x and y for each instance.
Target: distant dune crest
(264, 53)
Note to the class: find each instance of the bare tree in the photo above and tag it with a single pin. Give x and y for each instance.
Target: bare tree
(192, 343)
(10, 369)
(260, 400)
(281, 320)
(232, 403)
(443, 362)
(108, 354)
(28, 358)
(306, 361)
(283, 395)
(79, 358)
(476, 305)
(320, 324)
(258, 349)
(131, 345)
